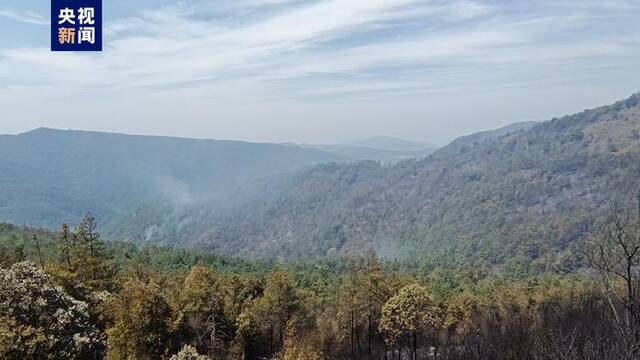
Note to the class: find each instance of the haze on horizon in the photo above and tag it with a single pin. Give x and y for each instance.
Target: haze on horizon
(319, 71)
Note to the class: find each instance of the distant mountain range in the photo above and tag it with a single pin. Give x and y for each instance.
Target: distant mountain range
(52, 176)
(390, 144)
(356, 153)
(379, 148)
(527, 191)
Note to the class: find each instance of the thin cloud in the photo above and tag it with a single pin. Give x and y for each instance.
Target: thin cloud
(285, 52)
(27, 16)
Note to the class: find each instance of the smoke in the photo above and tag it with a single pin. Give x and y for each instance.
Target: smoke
(174, 190)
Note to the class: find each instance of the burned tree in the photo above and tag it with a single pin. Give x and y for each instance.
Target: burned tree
(613, 251)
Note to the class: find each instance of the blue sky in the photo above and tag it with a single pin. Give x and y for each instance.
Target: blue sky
(319, 71)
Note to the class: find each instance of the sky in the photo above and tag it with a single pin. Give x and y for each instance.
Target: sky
(322, 71)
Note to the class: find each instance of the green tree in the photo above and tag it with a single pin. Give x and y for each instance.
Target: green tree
(407, 315)
(91, 252)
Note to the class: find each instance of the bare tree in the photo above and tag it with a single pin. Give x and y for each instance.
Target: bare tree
(614, 252)
(66, 245)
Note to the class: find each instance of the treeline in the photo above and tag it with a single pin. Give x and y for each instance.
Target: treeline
(70, 295)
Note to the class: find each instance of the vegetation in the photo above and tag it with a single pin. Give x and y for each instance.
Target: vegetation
(52, 176)
(71, 295)
(524, 199)
(520, 197)
(525, 246)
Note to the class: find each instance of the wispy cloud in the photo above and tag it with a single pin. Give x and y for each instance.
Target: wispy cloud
(179, 44)
(27, 16)
(288, 50)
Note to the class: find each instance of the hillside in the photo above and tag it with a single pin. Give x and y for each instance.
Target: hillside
(520, 193)
(54, 176)
(525, 195)
(463, 143)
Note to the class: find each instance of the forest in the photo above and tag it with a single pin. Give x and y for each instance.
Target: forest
(524, 193)
(319, 180)
(71, 295)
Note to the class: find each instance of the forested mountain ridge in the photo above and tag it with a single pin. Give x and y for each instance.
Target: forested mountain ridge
(524, 194)
(528, 195)
(464, 142)
(53, 176)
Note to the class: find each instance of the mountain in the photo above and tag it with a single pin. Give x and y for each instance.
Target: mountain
(487, 136)
(385, 149)
(357, 153)
(530, 195)
(53, 176)
(526, 193)
(389, 144)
